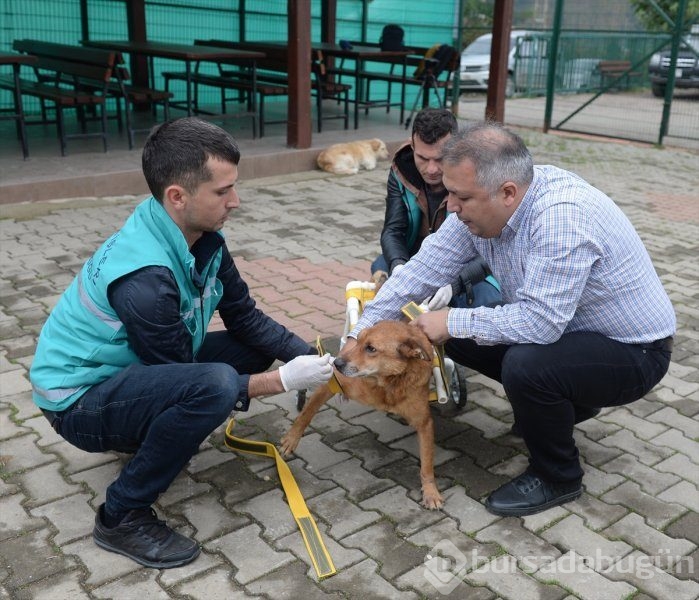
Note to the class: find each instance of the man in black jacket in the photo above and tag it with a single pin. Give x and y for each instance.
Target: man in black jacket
(125, 361)
(416, 207)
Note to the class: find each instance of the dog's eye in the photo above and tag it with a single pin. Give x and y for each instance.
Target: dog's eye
(369, 348)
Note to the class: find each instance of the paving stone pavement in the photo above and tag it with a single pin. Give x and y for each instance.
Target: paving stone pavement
(298, 240)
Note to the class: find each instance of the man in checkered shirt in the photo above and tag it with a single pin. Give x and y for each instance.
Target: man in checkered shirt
(585, 322)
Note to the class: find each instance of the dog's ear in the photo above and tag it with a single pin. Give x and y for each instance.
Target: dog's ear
(376, 144)
(415, 348)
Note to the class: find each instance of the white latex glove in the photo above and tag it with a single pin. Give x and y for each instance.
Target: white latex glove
(397, 269)
(307, 371)
(441, 298)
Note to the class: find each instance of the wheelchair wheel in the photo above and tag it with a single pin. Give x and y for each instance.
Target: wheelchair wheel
(458, 394)
(300, 399)
(459, 391)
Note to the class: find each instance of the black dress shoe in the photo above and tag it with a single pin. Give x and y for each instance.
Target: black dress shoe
(528, 494)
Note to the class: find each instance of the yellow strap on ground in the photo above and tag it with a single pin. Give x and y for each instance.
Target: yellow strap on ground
(333, 383)
(412, 311)
(320, 557)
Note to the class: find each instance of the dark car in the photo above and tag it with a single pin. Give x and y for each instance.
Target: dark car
(686, 71)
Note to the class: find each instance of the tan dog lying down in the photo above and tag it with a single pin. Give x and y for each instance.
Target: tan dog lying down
(347, 158)
(389, 369)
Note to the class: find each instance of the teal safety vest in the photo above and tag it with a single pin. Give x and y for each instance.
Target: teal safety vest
(83, 342)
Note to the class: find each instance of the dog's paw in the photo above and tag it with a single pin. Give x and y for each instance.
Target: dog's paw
(432, 501)
(431, 498)
(379, 278)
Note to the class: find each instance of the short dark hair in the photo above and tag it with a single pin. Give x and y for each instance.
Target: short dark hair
(497, 154)
(432, 124)
(176, 152)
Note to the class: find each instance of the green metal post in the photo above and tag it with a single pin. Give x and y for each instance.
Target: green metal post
(84, 21)
(365, 18)
(670, 87)
(242, 36)
(551, 73)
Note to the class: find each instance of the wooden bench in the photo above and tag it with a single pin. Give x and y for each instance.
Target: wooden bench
(133, 95)
(273, 70)
(616, 73)
(52, 67)
(230, 83)
(87, 81)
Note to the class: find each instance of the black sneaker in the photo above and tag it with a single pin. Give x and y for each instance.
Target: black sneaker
(146, 539)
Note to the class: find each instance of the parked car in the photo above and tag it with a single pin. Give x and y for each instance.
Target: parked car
(527, 63)
(686, 70)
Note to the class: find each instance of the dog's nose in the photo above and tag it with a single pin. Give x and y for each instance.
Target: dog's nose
(339, 364)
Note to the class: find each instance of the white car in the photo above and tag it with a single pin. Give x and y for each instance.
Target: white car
(475, 62)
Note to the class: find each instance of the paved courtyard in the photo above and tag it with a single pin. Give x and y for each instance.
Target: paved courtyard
(298, 240)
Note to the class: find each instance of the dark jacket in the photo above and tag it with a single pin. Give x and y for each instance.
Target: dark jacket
(406, 186)
(147, 303)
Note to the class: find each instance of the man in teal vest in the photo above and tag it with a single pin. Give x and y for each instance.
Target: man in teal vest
(124, 362)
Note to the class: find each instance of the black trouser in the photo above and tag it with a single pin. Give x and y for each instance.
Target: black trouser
(553, 386)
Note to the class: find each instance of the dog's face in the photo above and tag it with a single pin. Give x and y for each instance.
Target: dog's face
(379, 148)
(384, 350)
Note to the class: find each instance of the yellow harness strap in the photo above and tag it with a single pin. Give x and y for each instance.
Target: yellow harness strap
(319, 554)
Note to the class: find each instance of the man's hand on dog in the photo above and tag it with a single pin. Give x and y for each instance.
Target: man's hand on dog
(433, 325)
(307, 371)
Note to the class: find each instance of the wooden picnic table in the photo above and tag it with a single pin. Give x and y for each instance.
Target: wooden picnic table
(358, 53)
(187, 53)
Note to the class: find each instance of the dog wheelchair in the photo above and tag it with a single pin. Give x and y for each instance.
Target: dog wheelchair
(448, 384)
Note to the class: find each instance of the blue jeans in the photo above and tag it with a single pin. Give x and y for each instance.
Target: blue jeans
(379, 264)
(160, 414)
(553, 386)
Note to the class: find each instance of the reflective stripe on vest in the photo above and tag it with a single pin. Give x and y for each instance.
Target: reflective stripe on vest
(87, 302)
(56, 395)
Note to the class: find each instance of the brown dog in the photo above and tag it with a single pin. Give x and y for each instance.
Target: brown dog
(347, 158)
(389, 369)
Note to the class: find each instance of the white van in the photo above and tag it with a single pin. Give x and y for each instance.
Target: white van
(527, 63)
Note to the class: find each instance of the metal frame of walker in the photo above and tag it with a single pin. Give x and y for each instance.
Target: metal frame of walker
(357, 295)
